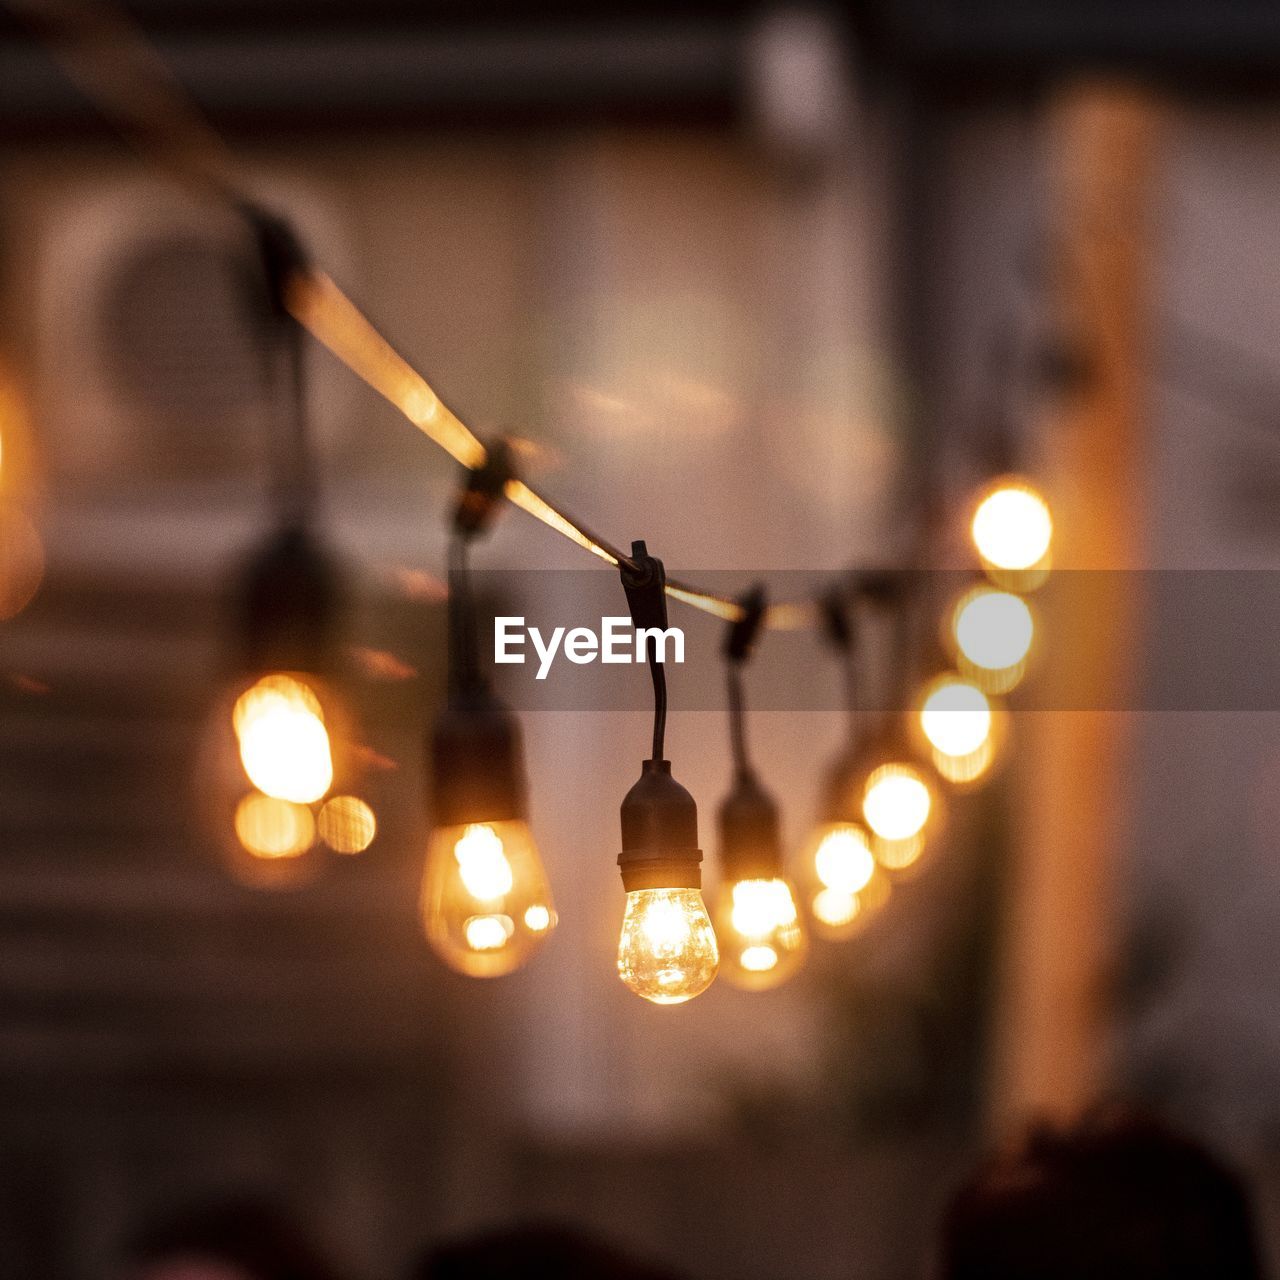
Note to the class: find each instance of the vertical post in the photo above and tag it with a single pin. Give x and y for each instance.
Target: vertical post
(1072, 794)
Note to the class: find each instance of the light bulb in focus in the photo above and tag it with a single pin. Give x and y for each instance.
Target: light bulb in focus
(1012, 530)
(993, 632)
(759, 931)
(667, 950)
(284, 745)
(486, 903)
(957, 720)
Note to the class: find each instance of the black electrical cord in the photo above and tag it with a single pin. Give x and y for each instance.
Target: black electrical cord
(658, 671)
(464, 666)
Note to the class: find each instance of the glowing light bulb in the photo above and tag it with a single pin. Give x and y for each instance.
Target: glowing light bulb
(268, 827)
(842, 858)
(667, 950)
(284, 745)
(759, 932)
(896, 802)
(839, 914)
(486, 904)
(1012, 529)
(957, 721)
(993, 632)
(347, 824)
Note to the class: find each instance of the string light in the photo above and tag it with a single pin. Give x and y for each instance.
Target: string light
(486, 902)
(1012, 530)
(667, 949)
(758, 925)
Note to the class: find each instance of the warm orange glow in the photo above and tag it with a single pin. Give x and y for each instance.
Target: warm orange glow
(1012, 530)
(271, 828)
(839, 914)
(21, 559)
(896, 802)
(486, 903)
(759, 932)
(519, 494)
(842, 859)
(667, 951)
(347, 824)
(335, 321)
(284, 745)
(958, 723)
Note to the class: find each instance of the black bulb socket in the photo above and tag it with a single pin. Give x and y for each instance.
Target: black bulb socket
(750, 832)
(659, 833)
(477, 762)
(290, 599)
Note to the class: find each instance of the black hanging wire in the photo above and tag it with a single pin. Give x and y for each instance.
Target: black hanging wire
(839, 629)
(294, 471)
(644, 581)
(739, 644)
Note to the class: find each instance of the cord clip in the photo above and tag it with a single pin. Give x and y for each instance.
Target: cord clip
(482, 493)
(740, 639)
(645, 582)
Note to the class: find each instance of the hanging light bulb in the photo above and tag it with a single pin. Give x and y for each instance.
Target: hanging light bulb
(897, 803)
(850, 886)
(486, 902)
(758, 926)
(1012, 530)
(993, 633)
(284, 745)
(280, 735)
(282, 740)
(959, 726)
(667, 950)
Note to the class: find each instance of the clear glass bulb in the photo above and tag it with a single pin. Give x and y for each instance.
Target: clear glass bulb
(284, 745)
(667, 950)
(1012, 530)
(486, 903)
(759, 931)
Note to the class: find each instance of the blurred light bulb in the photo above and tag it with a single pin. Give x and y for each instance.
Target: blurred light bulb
(1012, 529)
(842, 858)
(667, 951)
(993, 632)
(958, 723)
(268, 827)
(486, 903)
(839, 914)
(347, 824)
(284, 745)
(759, 932)
(956, 716)
(896, 802)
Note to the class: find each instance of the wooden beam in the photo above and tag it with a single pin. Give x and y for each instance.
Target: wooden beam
(1073, 777)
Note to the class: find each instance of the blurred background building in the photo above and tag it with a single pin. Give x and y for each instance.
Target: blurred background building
(740, 271)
